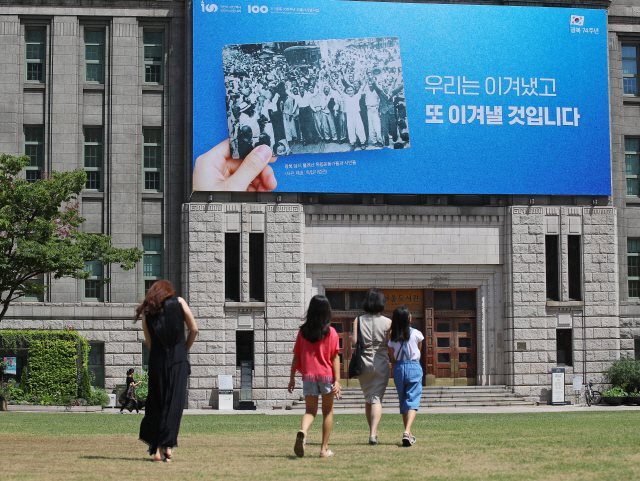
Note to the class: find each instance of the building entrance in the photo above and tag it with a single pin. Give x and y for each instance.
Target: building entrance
(344, 328)
(452, 350)
(446, 318)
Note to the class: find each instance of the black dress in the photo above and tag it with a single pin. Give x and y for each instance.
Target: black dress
(168, 372)
(130, 394)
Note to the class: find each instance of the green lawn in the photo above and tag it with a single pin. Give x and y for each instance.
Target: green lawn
(598, 445)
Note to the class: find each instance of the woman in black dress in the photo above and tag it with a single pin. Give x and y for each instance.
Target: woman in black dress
(163, 320)
(130, 393)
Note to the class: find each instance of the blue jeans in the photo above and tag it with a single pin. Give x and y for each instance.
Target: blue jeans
(407, 376)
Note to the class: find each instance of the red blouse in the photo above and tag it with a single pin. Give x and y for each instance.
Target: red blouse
(315, 359)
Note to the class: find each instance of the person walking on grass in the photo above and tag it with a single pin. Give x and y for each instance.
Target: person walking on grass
(405, 345)
(374, 378)
(164, 317)
(129, 395)
(315, 355)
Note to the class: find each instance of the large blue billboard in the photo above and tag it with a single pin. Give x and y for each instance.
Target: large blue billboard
(402, 98)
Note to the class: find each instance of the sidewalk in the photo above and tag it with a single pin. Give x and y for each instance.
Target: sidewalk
(580, 408)
(440, 410)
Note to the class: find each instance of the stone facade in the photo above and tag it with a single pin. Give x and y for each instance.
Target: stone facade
(532, 320)
(312, 243)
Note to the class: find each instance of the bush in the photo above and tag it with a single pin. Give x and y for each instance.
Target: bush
(85, 384)
(57, 363)
(615, 392)
(624, 373)
(142, 391)
(99, 397)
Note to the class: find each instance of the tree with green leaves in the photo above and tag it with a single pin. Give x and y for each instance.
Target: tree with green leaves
(40, 232)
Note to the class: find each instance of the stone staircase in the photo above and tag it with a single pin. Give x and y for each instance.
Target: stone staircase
(433, 396)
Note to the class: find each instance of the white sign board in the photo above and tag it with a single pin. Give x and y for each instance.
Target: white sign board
(225, 382)
(557, 385)
(225, 392)
(577, 383)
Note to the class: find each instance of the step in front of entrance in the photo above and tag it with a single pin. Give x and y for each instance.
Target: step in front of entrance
(434, 396)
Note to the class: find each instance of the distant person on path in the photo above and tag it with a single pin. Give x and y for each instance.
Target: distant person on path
(374, 328)
(163, 320)
(405, 345)
(130, 393)
(315, 355)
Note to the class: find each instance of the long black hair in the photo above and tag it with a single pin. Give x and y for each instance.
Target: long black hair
(401, 325)
(130, 372)
(318, 319)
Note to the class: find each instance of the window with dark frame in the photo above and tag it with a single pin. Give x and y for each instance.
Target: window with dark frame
(575, 267)
(34, 148)
(256, 267)
(94, 55)
(336, 300)
(551, 265)
(636, 349)
(34, 52)
(39, 279)
(244, 347)
(153, 55)
(152, 159)
(633, 269)
(93, 285)
(95, 364)
(632, 165)
(465, 300)
(442, 301)
(630, 69)
(356, 298)
(232, 266)
(151, 260)
(564, 347)
(93, 150)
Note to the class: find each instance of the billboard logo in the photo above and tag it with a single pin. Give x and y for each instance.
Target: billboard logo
(577, 20)
(258, 9)
(210, 7)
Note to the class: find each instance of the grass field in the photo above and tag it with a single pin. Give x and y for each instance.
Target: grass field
(566, 446)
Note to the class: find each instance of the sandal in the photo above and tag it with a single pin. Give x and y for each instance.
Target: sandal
(406, 440)
(298, 448)
(327, 454)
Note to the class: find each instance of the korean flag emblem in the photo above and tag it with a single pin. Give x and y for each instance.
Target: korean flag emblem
(577, 20)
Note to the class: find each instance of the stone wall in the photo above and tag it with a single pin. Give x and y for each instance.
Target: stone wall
(532, 320)
(274, 321)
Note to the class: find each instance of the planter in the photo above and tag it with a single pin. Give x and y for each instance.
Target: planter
(634, 400)
(612, 401)
(141, 404)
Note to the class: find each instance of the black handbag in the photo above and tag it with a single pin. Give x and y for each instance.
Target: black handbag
(355, 365)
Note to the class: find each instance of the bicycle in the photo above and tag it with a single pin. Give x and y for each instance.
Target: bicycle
(591, 395)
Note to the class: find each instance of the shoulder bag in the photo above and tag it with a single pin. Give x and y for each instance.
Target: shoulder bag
(355, 365)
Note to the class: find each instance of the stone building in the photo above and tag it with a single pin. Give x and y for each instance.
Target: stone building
(505, 288)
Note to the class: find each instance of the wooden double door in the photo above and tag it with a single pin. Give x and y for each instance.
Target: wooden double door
(454, 349)
(344, 328)
(449, 350)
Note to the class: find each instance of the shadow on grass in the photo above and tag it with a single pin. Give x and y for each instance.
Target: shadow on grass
(143, 460)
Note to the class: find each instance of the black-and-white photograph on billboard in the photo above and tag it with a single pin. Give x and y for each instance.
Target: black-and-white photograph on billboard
(315, 96)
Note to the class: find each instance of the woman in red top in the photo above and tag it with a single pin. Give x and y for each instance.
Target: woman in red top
(315, 355)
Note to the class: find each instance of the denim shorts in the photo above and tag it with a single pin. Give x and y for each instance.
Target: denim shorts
(310, 388)
(407, 376)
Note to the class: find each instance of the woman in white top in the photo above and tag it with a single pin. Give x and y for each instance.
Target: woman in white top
(405, 345)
